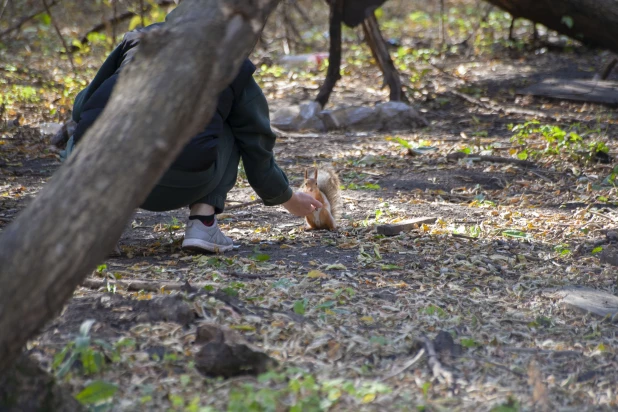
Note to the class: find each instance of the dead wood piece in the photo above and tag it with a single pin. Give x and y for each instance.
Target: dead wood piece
(592, 91)
(251, 275)
(396, 228)
(543, 351)
(137, 285)
(493, 159)
(158, 286)
(26, 387)
(438, 370)
(406, 366)
(243, 205)
(587, 300)
(226, 353)
(592, 22)
(497, 365)
(491, 105)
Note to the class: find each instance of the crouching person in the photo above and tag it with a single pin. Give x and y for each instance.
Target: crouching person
(206, 170)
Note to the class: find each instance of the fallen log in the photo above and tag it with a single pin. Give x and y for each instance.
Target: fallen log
(592, 22)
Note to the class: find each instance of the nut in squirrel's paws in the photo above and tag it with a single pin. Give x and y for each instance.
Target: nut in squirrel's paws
(324, 187)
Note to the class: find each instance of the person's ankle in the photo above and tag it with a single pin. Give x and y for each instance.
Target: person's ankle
(206, 220)
(202, 209)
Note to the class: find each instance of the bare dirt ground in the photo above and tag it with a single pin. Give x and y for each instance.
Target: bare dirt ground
(345, 313)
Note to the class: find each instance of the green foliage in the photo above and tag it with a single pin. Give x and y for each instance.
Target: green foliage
(96, 393)
(511, 405)
(299, 306)
(535, 140)
(516, 234)
(562, 249)
(469, 343)
(86, 355)
(297, 391)
(432, 310)
(19, 94)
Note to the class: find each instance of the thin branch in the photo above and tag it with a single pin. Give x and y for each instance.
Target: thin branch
(141, 12)
(544, 351)
(497, 365)
(64, 43)
(251, 275)
(505, 109)
(493, 159)
(243, 205)
(406, 366)
(25, 20)
(3, 7)
(117, 19)
(438, 370)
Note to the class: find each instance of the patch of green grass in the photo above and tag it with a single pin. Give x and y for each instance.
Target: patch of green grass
(296, 391)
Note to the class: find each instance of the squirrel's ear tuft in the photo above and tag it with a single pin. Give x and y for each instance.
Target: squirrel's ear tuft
(316, 174)
(306, 174)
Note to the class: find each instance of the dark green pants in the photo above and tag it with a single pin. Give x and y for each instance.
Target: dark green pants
(178, 189)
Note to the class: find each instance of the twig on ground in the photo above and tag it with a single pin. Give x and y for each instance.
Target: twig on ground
(544, 351)
(611, 219)
(242, 205)
(497, 365)
(491, 105)
(459, 235)
(438, 370)
(493, 159)
(138, 284)
(251, 275)
(406, 366)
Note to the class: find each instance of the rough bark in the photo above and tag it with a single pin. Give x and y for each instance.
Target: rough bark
(26, 387)
(334, 53)
(594, 22)
(383, 58)
(165, 96)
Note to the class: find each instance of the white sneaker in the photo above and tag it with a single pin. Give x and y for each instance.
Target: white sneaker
(202, 238)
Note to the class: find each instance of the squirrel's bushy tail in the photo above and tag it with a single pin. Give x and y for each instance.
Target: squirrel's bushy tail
(329, 184)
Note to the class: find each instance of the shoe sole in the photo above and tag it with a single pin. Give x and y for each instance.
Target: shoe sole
(200, 245)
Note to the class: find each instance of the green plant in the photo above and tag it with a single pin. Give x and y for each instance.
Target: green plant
(534, 140)
(82, 353)
(302, 392)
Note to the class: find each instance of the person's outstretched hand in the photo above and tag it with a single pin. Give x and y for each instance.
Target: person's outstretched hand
(301, 204)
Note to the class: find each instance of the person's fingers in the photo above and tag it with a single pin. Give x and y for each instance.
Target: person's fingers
(316, 203)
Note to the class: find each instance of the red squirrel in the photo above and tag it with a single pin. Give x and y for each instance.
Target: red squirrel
(324, 187)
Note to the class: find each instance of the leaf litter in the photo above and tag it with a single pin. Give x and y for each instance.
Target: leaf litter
(355, 319)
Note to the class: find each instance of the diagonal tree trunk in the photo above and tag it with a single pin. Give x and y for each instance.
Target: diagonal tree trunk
(593, 22)
(167, 94)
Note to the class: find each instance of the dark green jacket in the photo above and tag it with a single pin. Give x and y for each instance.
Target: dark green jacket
(245, 112)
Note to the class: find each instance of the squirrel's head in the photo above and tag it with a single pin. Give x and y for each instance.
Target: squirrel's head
(310, 185)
